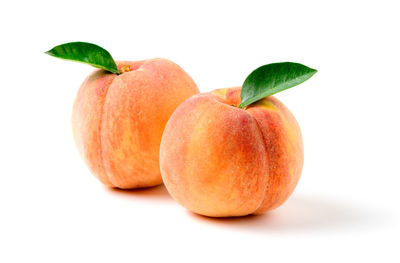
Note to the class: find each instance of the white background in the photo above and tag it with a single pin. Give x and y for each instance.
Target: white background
(345, 208)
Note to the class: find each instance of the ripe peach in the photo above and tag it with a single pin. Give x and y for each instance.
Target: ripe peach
(118, 120)
(219, 160)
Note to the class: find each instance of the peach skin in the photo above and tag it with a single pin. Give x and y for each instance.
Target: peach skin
(218, 160)
(118, 120)
(235, 151)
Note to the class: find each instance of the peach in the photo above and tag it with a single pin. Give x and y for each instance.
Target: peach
(220, 160)
(118, 120)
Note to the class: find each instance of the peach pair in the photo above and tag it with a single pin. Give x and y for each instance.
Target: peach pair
(216, 159)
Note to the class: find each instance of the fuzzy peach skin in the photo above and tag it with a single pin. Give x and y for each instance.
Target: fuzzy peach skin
(118, 120)
(219, 160)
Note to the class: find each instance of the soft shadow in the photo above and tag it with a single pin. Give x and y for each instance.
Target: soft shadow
(150, 193)
(302, 214)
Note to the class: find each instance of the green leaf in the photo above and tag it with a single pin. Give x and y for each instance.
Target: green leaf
(86, 53)
(273, 78)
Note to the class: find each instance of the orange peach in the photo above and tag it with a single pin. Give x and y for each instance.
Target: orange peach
(118, 120)
(220, 160)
